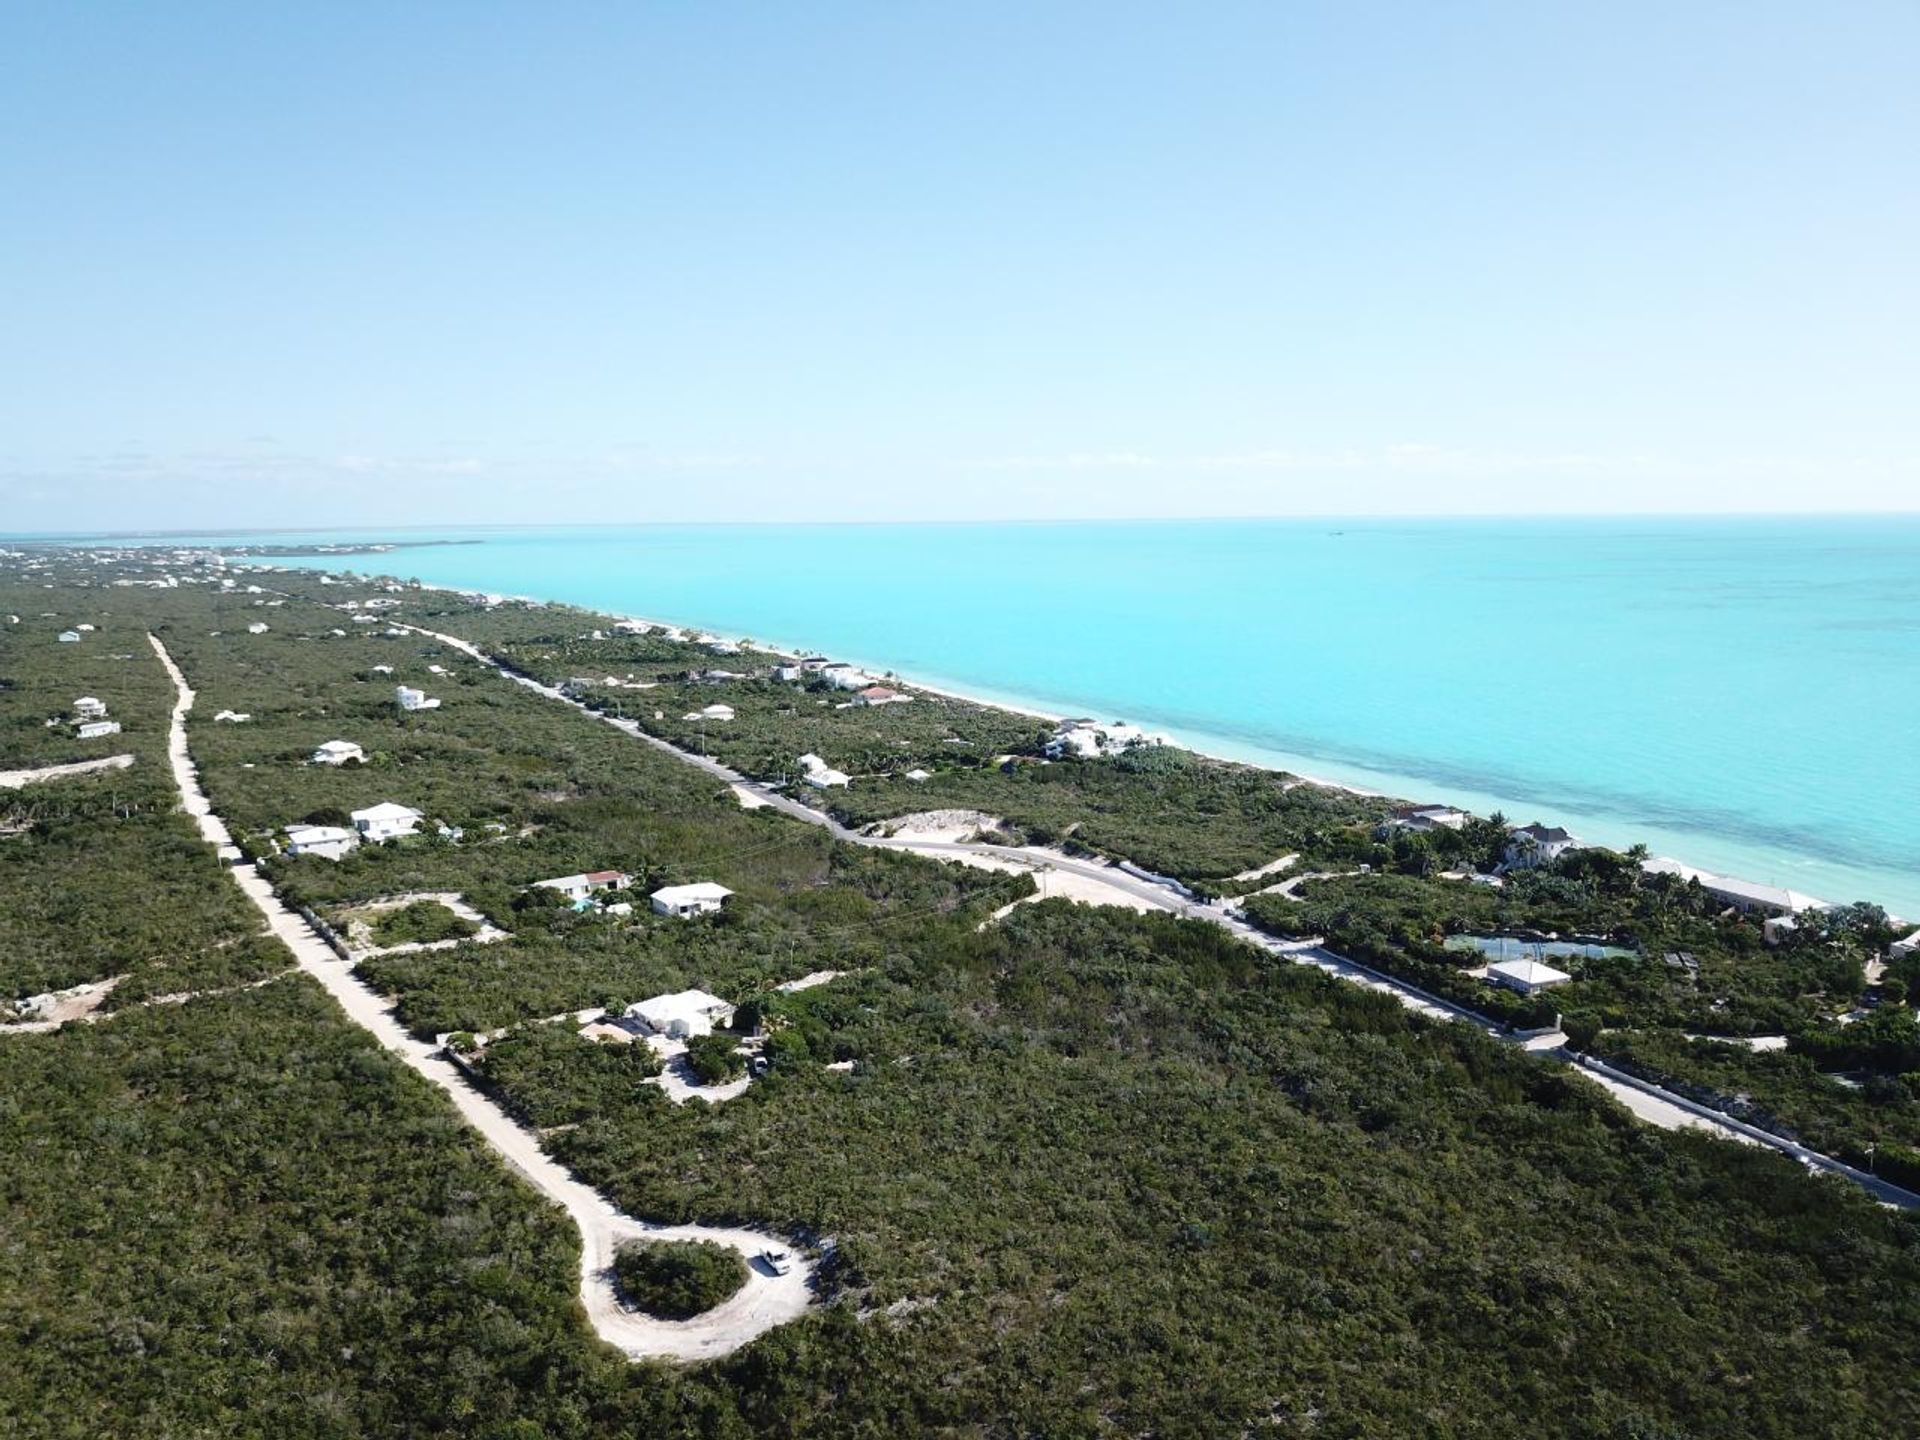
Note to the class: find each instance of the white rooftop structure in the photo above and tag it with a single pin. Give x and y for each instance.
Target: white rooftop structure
(329, 842)
(97, 729)
(579, 887)
(1741, 894)
(258, 627)
(69, 637)
(1900, 949)
(409, 698)
(1088, 740)
(338, 752)
(234, 717)
(385, 821)
(88, 707)
(712, 712)
(1526, 976)
(683, 901)
(816, 772)
(681, 1015)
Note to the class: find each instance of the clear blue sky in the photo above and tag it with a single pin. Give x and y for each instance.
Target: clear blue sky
(347, 262)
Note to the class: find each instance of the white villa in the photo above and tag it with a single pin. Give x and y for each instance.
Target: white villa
(685, 901)
(385, 821)
(1529, 977)
(842, 676)
(96, 729)
(631, 627)
(1088, 740)
(1538, 844)
(329, 842)
(580, 887)
(338, 752)
(1740, 894)
(711, 712)
(1429, 817)
(409, 698)
(87, 707)
(681, 1015)
(787, 670)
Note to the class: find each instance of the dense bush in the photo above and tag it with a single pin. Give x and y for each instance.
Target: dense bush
(677, 1279)
(715, 1059)
(423, 922)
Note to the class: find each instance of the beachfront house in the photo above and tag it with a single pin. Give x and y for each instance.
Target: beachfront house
(631, 627)
(681, 1015)
(1428, 817)
(582, 887)
(97, 729)
(88, 707)
(1900, 949)
(1083, 739)
(788, 670)
(880, 695)
(409, 698)
(842, 676)
(1537, 844)
(385, 821)
(1529, 977)
(1778, 929)
(339, 752)
(329, 842)
(683, 902)
(1741, 895)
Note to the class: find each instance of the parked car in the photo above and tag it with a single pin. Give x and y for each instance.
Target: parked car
(778, 1261)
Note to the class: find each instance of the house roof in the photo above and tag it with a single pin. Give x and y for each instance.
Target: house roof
(386, 810)
(1545, 834)
(682, 894)
(1528, 972)
(337, 745)
(316, 834)
(662, 1010)
(602, 877)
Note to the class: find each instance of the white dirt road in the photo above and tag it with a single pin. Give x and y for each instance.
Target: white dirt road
(18, 779)
(764, 1302)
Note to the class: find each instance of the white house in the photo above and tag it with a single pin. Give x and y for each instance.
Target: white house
(87, 707)
(1538, 844)
(580, 887)
(724, 647)
(1087, 740)
(1900, 949)
(631, 627)
(816, 772)
(83, 628)
(880, 695)
(814, 664)
(1429, 817)
(1742, 895)
(1527, 976)
(681, 1015)
(95, 729)
(684, 901)
(329, 842)
(787, 670)
(385, 821)
(711, 712)
(258, 627)
(69, 637)
(842, 676)
(1778, 929)
(338, 752)
(409, 698)
(233, 717)
(918, 775)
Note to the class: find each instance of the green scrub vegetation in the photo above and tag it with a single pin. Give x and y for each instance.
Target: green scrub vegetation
(677, 1279)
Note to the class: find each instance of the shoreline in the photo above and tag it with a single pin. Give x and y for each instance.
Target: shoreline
(949, 689)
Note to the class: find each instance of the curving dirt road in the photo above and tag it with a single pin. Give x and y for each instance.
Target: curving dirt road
(765, 1301)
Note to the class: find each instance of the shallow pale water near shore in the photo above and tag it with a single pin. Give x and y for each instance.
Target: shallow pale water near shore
(1744, 694)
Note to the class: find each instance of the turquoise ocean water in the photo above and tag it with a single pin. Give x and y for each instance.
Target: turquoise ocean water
(1742, 694)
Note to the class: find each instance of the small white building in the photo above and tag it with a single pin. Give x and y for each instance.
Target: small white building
(1538, 844)
(580, 887)
(385, 821)
(233, 717)
(89, 707)
(1778, 929)
(1529, 977)
(1900, 949)
(917, 775)
(842, 676)
(681, 1015)
(816, 772)
(339, 752)
(97, 729)
(711, 712)
(258, 627)
(409, 698)
(1089, 740)
(631, 627)
(1429, 817)
(329, 842)
(788, 670)
(685, 901)
(69, 637)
